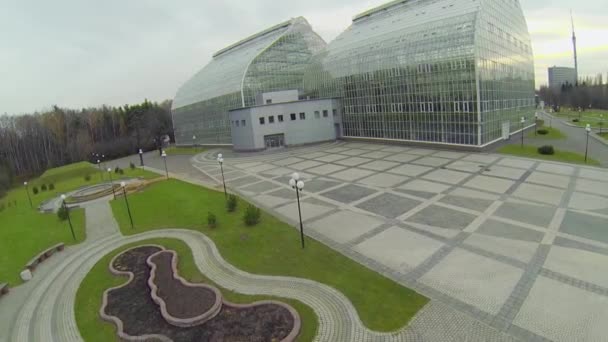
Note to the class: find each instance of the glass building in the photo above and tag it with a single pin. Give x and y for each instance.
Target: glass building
(439, 71)
(272, 60)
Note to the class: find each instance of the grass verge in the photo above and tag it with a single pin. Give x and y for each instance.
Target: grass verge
(270, 248)
(175, 150)
(559, 156)
(99, 279)
(553, 134)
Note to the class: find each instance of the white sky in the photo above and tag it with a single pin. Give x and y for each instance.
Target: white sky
(78, 53)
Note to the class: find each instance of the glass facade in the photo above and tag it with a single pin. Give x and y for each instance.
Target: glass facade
(272, 60)
(445, 71)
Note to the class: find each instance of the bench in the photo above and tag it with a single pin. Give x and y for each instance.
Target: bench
(32, 264)
(3, 289)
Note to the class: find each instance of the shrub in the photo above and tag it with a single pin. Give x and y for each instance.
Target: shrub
(547, 150)
(35, 190)
(132, 166)
(117, 170)
(62, 213)
(211, 220)
(51, 187)
(231, 203)
(43, 187)
(121, 171)
(543, 131)
(87, 178)
(252, 215)
(575, 120)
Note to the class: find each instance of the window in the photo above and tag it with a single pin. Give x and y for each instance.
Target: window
(317, 114)
(302, 116)
(281, 118)
(325, 113)
(269, 101)
(293, 116)
(243, 123)
(261, 121)
(237, 123)
(271, 119)
(334, 112)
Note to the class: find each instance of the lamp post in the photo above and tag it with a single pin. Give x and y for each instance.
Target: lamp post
(535, 123)
(27, 191)
(194, 142)
(588, 129)
(601, 122)
(111, 182)
(164, 155)
(99, 167)
(141, 157)
(124, 194)
(220, 159)
(298, 185)
(523, 121)
(67, 210)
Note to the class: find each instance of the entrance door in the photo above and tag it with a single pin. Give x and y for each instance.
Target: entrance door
(506, 130)
(338, 131)
(274, 141)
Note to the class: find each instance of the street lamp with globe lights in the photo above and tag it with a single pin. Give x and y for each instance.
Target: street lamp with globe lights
(27, 191)
(523, 121)
(99, 167)
(298, 186)
(67, 210)
(164, 155)
(111, 182)
(141, 157)
(588, 130)
(220, 159)
(124, 194)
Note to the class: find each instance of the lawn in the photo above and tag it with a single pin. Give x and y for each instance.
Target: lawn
(592, 117)
(270, 248)
(553, 133)
(604, 135)
(25, 232)
(99, 279)
(560, 156)
(177, 150)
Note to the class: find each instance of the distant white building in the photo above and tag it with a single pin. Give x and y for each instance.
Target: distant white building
(559, 76)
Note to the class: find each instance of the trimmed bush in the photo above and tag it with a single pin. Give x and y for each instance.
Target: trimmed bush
(117, 170)
(543, 131)
(211, 220)
(132, 166)
(51, 187)
(547, 150)
(87, 178)
(62, 213)
(43, 187)
(575, 120)
(252, 215)
(35, 190)
(231, 203)
(121, 171)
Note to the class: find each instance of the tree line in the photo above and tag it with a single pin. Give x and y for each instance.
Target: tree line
(32, 143)
(587, 93)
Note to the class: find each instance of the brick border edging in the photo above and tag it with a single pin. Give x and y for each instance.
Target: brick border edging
(180, 322)
(117, 321)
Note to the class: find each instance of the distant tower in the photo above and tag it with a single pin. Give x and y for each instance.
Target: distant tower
(574, 45)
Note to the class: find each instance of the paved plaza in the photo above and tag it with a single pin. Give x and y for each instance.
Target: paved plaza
(517, 244)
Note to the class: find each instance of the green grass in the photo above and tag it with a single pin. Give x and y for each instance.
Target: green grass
(604, 135)
(175, 150)
(591, 117)
(560, 156)
(99, 279)
(554, 134)
(271, 248)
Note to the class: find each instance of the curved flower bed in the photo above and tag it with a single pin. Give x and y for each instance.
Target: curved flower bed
(138, 316)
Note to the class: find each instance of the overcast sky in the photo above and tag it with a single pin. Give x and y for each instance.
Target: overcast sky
(78, 53)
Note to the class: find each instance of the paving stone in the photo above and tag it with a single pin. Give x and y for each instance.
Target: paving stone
(352, 174)
(556, 168)
(376, 155)
(313, 155)
(305, 165)
(594, 174)
(331, 158)
(425, 186)
(394, 149)
(594, 187)
(261, 168)
(337, 149)
(421, 151)
(389, 205)
(585, 226)
(486, 285)
(288, 194)
(517, 163)
(549, 179)
(583, 201)
(383, 180)
(421, 194)
(354, 152)
(480, 158)
(379, 165)
(539, 193)
(401, 157)
(245, 166)
(309, 210)
(504, 172)
(580, 264)
(279, 171)
(270, 201)
(475, 194)
(493, 184)
(326, 169)
(476, 204)
(449, 154)
(432, 161)
(399, 249)
(287, 161)
(234, 175)
(533, 214)
(436, 216)
(561, 312)
(319, 184)
(516, 249)
(348, 193)
(509, 231)
(243, 181)
(465, 166)
(353, 161)
(260, 187)
(447, 176)
(410, 170)
(345, 226)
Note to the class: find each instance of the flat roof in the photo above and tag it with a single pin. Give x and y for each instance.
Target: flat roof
(288, 102)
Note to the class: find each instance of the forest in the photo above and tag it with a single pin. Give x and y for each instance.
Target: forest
(32, 143)
(588, 93)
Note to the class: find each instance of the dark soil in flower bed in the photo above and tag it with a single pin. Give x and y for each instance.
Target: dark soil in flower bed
(182, 301)
(140, 315)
